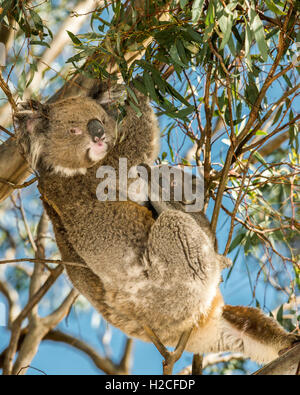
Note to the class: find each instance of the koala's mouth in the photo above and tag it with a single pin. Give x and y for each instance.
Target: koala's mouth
(97, 150)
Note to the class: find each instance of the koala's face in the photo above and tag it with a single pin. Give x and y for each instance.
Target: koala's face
(66, 137)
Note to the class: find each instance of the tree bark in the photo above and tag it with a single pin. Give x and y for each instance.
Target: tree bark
(286, 364)
(13, 167)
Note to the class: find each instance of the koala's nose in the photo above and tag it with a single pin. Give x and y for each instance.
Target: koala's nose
(95, 129)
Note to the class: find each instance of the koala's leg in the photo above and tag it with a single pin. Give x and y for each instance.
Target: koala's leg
(257, 336)
(181, 256)
(241, 329)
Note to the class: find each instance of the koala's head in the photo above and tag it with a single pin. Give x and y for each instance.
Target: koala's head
(65, 137)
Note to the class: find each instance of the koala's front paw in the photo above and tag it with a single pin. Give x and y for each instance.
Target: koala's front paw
(27, 109)
(23, 110)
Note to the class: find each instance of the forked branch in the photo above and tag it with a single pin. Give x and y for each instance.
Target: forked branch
(170, 357)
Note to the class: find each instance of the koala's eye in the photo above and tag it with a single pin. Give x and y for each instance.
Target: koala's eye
(75, 131)
(95, 129)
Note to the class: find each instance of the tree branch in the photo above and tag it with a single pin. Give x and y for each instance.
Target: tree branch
(170, 357)
(102, 363)
(16, 326)
(286, 364)
(42, 261)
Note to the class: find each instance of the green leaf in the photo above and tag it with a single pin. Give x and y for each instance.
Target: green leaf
(164, 155)
(194, 35)
(251, 92)
(225, 23)
(75, 58)
(237, 241)
(75, 39)
(35, 42)
(257, 28)
(175, 56)
(248, 40)
(231, 46)
(33, 69)
(181, 52)
(185, 112)
(260, 158)
(136, 109)
(36, 19)
(273, 7)
(138, 84)
(210, 15)
(197, 10)
(183, 3)
(279, 111)
(6, 6)
(177, 95)
(279, 315)
(149, 84)
(287, 80)
(261, 133)
(132, 94)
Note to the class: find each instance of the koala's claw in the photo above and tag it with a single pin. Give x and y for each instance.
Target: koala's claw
(23, 113)
(294, 340)
(28, 109)
(30, 104)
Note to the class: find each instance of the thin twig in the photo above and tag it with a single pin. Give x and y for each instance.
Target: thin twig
(197, 365)
(169, 357)
(42, 261)
(16, 326)
(16, 186)
(7, 131)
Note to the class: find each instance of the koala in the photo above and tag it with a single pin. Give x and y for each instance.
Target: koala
(160, 271)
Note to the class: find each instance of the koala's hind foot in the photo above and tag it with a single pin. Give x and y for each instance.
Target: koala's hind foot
(260, 337)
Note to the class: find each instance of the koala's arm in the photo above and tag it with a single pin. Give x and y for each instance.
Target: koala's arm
(83, 279)
(138, 136)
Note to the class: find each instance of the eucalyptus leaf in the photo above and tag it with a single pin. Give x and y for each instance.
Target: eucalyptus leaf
(257, 29)
(74, 39)
(197, 10)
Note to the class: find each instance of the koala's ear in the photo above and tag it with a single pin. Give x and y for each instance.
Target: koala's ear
(29, 113)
